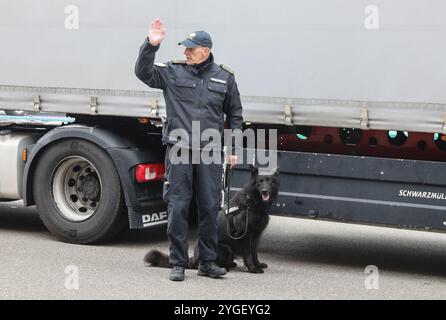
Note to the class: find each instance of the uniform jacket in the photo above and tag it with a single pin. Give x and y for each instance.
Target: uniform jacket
(204, 95)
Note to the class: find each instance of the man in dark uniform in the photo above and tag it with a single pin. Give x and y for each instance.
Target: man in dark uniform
(198, 93)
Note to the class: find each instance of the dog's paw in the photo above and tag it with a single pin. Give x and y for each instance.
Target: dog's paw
(255, 270)
(262, 265)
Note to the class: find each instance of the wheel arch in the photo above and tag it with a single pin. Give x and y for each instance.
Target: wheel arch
(103, 138)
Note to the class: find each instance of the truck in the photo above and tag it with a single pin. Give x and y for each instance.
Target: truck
(353, 89)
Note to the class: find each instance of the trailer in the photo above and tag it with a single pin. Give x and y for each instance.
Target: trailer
(353, 91)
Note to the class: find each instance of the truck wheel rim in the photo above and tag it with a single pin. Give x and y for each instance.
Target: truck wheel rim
(76, 188)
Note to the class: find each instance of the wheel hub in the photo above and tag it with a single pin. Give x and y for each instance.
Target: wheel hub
(76, 188)
(91, 188)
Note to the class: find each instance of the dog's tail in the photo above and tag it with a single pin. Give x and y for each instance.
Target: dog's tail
(157, 258)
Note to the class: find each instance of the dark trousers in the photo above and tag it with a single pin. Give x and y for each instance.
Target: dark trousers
(183, 183)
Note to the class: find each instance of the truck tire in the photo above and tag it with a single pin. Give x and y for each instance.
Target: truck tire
(78, 193)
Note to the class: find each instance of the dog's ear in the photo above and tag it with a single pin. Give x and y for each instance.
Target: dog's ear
(254, 170)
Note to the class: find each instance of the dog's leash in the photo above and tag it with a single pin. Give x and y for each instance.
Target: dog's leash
(230, 211)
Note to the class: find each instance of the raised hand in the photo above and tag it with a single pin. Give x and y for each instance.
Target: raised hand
(156, 32)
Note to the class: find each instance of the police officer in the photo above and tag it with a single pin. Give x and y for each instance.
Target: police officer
(197, 91)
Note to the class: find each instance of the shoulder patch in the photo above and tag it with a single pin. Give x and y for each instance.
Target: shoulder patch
(160, 64)
(227, 68)
(179, 61)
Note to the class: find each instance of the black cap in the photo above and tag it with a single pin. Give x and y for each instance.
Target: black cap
(197, 38)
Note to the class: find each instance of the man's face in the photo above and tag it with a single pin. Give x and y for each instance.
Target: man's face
(196, 55)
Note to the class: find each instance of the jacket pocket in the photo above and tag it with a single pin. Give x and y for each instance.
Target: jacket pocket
(185, 89)
(218, 87)
(217, 93)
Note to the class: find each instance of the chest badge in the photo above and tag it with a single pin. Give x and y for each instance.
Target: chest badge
(218, 80)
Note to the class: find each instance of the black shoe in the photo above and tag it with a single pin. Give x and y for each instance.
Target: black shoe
(177, 274)
(210, 269)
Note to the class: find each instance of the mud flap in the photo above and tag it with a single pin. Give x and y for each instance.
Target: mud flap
(147, 219)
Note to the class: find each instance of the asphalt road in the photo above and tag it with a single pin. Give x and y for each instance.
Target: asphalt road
(307, 260)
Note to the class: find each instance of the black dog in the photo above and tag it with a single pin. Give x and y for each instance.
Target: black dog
(238, 232)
